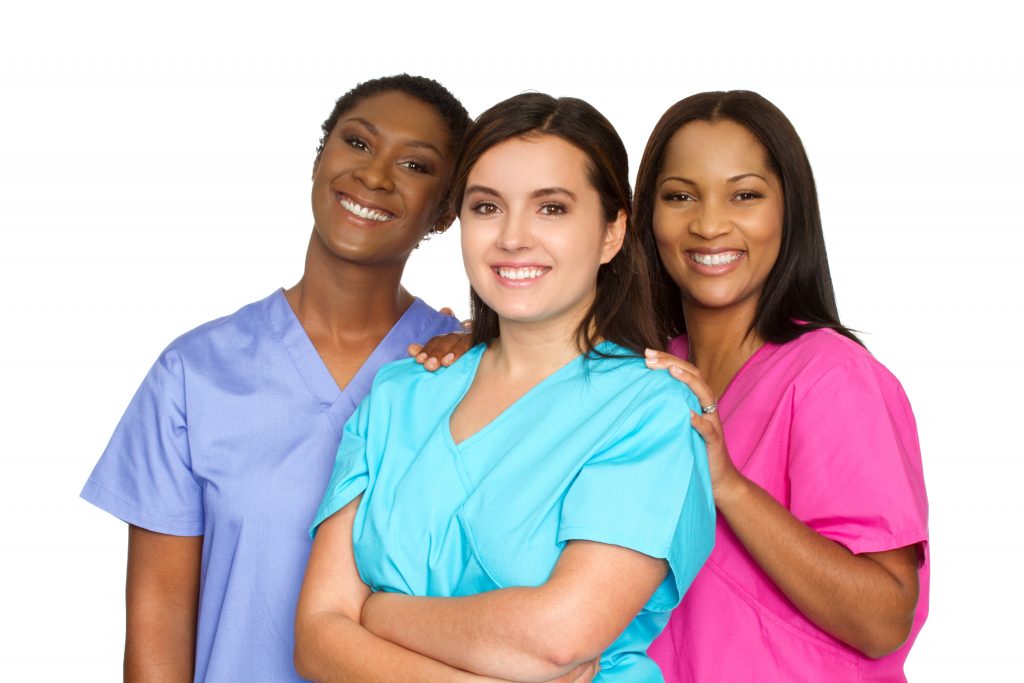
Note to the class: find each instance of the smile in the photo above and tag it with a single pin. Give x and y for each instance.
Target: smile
(526, 273)
(378, 215)
(719, 259)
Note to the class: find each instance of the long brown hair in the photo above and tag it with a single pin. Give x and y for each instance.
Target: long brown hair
(622, 311)
(798, 295)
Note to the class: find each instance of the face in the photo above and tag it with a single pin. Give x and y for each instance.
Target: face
(533, 231)
(718, 213)
(380, 178)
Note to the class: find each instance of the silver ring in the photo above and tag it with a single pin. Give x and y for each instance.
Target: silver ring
(707, 410)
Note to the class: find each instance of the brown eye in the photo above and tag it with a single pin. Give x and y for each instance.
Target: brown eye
(484, 208)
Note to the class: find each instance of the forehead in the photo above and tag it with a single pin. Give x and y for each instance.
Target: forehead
(712, 149)
(530, 163)
(395, 114)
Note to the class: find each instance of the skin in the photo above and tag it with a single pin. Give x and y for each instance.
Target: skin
(392, 151)
(512, 214)
(717, 191)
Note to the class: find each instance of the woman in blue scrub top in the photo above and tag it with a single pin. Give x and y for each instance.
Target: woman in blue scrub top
(220, 459)
(543, 508)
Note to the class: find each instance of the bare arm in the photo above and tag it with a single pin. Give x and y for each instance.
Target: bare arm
(532, 634)
(867, 600)
(330, 643)
(162, 603)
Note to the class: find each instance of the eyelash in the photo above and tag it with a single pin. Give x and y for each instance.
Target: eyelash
(417, 167)
(484, 208)
(558, 209)
(745, 195)
(357, 143)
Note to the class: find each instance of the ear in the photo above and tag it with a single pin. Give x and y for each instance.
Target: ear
(614, 234)
(444, 220)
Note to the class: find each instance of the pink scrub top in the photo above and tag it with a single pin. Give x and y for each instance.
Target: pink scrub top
(828, 432)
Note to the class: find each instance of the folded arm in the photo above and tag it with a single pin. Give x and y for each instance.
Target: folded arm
(330, 643)
(530, 634)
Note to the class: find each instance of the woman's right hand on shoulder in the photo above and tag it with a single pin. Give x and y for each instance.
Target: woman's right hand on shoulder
(725, 477)
(442, 350)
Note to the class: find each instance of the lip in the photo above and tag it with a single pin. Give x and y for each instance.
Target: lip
(531, 278)
(718, 268)
(339, 196)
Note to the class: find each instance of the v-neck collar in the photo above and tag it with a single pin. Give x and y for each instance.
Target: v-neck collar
(472, 360)
(314, 373)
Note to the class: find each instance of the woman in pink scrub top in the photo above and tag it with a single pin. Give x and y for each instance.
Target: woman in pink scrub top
(820, 565)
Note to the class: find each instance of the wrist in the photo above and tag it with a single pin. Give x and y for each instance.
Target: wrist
(731, 492)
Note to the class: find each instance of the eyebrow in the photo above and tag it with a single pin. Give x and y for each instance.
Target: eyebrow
(411, 143)
(548, 191)
(735, 178)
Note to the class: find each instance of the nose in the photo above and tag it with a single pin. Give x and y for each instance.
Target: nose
(710, 221)
(375, 174)
(515, 232)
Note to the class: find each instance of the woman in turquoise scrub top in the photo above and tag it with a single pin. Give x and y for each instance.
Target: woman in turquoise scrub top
(221, 457)
(546, 503)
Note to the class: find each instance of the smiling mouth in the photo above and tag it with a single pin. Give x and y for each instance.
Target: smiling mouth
(527, 273)
(352, 207)
(719, 259)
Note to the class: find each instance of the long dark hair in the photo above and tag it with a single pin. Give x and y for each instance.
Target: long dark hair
(798, 295)
(622, 311)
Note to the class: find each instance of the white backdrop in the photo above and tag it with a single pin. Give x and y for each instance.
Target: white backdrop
(154, 173)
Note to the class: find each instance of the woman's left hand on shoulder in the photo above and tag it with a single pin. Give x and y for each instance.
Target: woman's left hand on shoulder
(724, 475)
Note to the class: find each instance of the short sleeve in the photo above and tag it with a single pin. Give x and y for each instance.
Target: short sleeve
(855, 462)
(351, 471)
(649, 491)
(144, 476)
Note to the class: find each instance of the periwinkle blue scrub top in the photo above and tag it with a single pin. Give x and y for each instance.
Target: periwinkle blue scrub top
(232, 436)
(601, 450)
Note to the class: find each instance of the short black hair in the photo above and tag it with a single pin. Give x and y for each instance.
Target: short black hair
(428, 90)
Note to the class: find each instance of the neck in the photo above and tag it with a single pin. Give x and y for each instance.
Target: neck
(535, 349)
(720, 340)
(341, 299)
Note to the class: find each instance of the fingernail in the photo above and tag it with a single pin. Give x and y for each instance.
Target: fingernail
(650, 360)
(448, 359)
(650, 353)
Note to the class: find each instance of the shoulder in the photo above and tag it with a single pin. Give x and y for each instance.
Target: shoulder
(824, 358)
(628, 377)
(400, 377)
(426, 322)
(234, 330)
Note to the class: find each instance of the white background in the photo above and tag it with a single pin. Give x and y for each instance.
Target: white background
(154, 173)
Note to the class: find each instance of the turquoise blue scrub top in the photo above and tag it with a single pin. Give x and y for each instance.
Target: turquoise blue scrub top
(601, 450)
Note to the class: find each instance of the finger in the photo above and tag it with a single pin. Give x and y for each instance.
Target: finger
(696, 384)
(665, 359)
(447, 311)
(467, 324)
(421, 357)
(414, 349)
(707, 428)
(431, 364)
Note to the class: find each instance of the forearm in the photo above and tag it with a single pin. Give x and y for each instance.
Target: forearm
(160, 646)
(161, 606)
(507, 633)
(332, 648)
(852, 597)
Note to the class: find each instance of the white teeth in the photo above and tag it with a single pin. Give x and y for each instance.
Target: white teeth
(363, 212)
(521, 273)
(715, 259)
